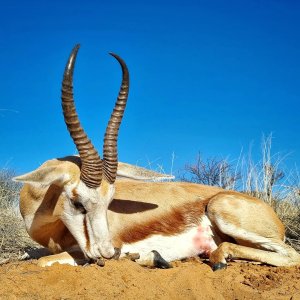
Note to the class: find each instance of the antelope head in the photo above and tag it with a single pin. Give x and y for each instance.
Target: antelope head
(88, 191)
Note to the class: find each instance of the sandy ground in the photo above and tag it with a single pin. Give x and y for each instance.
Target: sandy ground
(125, 279)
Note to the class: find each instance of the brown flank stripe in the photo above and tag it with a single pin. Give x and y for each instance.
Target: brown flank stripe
(174, 222)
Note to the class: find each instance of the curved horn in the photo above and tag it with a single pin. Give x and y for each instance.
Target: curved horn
(110, 151)
(91, 164)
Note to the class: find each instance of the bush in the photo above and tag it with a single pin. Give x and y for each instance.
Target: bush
(212, 171)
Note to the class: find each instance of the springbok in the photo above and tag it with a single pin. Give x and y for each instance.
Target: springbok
(76, 208)
(94, 187)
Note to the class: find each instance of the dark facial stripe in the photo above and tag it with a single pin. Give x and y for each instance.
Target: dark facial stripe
(88, 244)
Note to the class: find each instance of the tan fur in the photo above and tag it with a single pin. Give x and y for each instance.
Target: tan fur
(142, 209)
(243, 212)
(174, 222)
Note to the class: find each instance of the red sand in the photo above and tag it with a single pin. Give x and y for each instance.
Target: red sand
(127, 280)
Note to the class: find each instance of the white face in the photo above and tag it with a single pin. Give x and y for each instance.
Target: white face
(85, 215)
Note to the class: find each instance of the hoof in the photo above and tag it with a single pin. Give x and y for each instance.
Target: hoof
(100, 262)
(133, 256)
(117, 253)
(219, 266)
(159, 262)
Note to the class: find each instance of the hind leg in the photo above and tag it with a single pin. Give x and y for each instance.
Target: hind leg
(228, 250)
(254, 226)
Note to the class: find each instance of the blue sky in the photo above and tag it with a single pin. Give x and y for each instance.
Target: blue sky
(209, 76)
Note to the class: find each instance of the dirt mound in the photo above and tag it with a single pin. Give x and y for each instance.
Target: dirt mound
(127, 280)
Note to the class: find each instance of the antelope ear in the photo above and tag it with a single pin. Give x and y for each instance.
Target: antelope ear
(45, 176)
(127, 171)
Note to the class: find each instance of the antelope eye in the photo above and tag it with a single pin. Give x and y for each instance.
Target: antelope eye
(79, 207)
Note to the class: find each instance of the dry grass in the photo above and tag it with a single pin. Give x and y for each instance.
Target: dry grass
(265, 178)
(269, 180)
(14, 240)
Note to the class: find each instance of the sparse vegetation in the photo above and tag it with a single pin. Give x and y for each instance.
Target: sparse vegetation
(212, 171)
(265, 179)
(14, 239)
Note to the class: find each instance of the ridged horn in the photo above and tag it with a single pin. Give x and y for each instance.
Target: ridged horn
(110, 151)
(91, 164)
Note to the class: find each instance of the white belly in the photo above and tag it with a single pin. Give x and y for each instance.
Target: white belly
(196, 240)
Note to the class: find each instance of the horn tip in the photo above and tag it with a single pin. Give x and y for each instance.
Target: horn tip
(120, 60)
(113, 54)
(76, 48)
